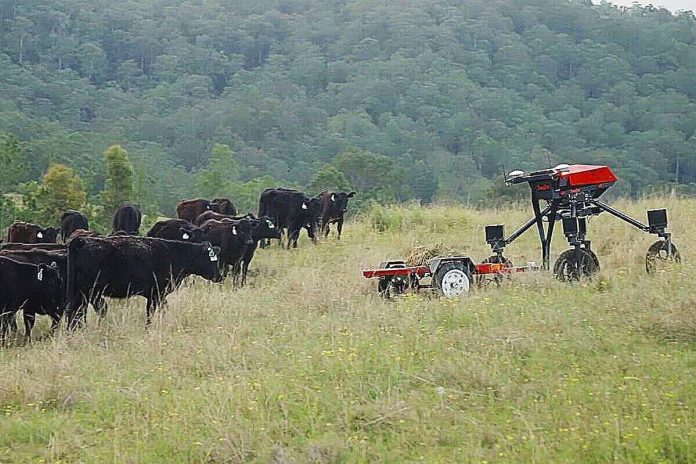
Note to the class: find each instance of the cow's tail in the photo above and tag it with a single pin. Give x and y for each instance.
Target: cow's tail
(73, 300)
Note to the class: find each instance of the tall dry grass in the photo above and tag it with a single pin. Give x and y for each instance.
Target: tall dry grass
(308, 364)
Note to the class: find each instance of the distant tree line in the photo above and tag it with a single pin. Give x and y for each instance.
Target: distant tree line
(399, 100)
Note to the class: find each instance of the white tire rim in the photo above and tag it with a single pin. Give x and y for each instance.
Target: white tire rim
(454, 283)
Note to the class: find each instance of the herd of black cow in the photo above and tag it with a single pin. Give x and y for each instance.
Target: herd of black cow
(60, 271)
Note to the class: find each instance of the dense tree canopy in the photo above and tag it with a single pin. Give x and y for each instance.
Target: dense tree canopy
(405, 99)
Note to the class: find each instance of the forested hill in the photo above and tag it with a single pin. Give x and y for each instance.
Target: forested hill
(398, 98)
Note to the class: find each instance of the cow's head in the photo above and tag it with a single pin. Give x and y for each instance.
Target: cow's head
(314, 207)
(265, 229)
(243, 230)
(47, 235)
(339, 200)
(225, 205)
(192, 234)
(207, 263)
(213, 206)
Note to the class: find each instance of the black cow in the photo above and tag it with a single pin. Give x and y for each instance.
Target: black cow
(177, 229)
(292, 210)
(127, 219)
(333, 208)
(24, 232)
(233, 237)
(263, 230)
(123, 266)
(58, 257)
(189, 210)
(226, 206)
(36, 289)
(37, 256)
(71, 221)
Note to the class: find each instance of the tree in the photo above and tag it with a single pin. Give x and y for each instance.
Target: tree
(423, 182)
(246, 195)
(218, 177)
(119, 178)
(328, 178)
(373, 176)
(365, 170)
(61, 189)
(11, 161)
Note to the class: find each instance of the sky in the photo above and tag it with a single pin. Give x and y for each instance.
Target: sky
(672, 5)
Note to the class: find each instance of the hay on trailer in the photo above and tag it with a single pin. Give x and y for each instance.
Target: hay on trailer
(421, 254)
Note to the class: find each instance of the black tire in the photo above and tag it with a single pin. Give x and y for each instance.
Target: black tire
(452, 279)
(391, 286)
(568, 269)
(659, 255)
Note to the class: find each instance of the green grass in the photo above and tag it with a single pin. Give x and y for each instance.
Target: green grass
(308, 365)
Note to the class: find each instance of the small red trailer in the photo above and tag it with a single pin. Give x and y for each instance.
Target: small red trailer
(450, 276)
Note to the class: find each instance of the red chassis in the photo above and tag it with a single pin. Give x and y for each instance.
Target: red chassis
(450, 275)
(424, 271)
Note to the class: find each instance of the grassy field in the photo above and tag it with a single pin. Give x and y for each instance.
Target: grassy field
(308, 365)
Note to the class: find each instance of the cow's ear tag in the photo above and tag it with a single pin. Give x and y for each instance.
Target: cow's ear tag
(234, 230)
(211, 253)
(304, 205)
(39, 234)
(333, 197)
(185, 236)
(207, 206)
(270, 225)
(39, 276)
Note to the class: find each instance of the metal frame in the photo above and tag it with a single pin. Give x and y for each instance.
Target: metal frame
(573, 207)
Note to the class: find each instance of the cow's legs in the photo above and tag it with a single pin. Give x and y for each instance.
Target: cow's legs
(339, 227)
(224, 269)
(55, 322)
(99, 304)
(75, 310)
(293, 235)
(245, 269)
(12, 322)
(236, 273)
(157, 298)
(4, 322)
(29, 319)
(152, 303)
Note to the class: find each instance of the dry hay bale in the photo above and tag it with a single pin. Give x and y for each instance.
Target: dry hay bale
(421, 254)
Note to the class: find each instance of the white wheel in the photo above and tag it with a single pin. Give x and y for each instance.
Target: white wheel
(452, 280)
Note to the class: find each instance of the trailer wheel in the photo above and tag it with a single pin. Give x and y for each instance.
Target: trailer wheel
(389, 287)
(660, 255)
(568, 268)
(452, 279)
